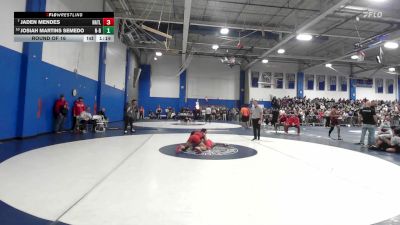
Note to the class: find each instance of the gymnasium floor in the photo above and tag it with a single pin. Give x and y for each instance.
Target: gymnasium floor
(110, 178)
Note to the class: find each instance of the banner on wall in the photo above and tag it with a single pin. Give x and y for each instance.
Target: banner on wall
(364, 82)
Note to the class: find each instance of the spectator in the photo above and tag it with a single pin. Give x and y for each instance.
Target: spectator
(131, 111)
(213, 113)
(158, 112)
(60, 113)
(141, 113)
(224, 112)
(208, 114)
(102, 112)
(385, 130)
(292, 121)
(79, 107)
(245, 114)
(85, 118)
(388, 144)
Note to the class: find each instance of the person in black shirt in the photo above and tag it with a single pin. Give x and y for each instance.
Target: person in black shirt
(102, 112)
(368, 119)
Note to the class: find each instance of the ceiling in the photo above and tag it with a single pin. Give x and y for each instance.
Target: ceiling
(260, 26)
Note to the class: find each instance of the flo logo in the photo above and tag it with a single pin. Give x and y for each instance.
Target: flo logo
(372, 14)
(218, 152)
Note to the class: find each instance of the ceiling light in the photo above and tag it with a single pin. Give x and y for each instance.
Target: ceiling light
(392, 69)
(215, 47)
(391, 45)
(155, 58)
(281, 51)
(358, 8)
(224, 31)
(355, 57)
(158, 53)
(329, 65)
(304, 37)
(264, 61)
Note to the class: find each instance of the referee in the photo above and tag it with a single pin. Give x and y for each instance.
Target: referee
(257, 118)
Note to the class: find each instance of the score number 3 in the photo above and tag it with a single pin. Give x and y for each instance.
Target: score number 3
(108, 21)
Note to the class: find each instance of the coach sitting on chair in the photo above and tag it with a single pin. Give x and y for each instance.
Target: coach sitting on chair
(85, 118)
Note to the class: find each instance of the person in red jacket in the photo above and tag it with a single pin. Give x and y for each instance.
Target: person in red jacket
(79, 107)
(292, 121)
(60, 107)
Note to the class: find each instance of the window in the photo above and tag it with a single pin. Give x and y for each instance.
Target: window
(343, 83)
(321, 82)
(266, 80)
(379, 86)
(278, 77)
(389, 85)
(309, 82)
(290, 81)
(254, 79)
(332, 83)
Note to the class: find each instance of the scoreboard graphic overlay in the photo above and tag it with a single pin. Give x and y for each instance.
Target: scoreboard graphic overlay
(64, 26)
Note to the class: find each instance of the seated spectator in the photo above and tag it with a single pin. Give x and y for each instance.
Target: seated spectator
(102, 112)
(84, 119)
(152, 115)
(384, 130)
(292, 121)
(388, 144)
(281, 120)
(79, 107)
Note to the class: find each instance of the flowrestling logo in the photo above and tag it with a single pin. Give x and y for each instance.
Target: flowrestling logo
(219, 152)
(372, 14)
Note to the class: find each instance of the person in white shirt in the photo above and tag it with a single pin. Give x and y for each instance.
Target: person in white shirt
(208, 114)
(384, 130)
(85, 118)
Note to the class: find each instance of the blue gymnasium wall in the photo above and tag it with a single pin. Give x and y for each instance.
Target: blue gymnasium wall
(144, 99)
(19, 102)
(113, 100)
(191, 103)
(10, 68)
(47, 84)
(151, 103)
(267, 104)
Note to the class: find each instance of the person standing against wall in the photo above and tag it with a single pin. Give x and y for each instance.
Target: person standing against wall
(158, 112)
(141, 113)
(131, 111)
(60, 112)
(256, 118)
(79, 107)
(224, 112)
(368, 119)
